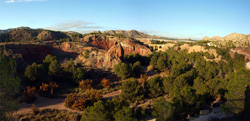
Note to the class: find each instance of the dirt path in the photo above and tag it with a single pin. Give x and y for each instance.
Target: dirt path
(44, 103)
(112, 94)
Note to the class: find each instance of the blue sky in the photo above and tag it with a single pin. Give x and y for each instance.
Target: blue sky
(170, 18)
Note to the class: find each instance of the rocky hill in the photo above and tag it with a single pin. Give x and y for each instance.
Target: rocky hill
(234, 38)
(129, 33)
(104, 50)
(11, 29)
(27, 34)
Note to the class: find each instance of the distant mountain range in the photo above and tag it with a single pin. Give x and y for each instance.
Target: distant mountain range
(27, 34)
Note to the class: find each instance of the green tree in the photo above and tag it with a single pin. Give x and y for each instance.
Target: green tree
(122, 70)
(163, 110)
(74, 73)
(167, 84)
(161, 65)
(236, 92)
(86, 54)
(131, 90)
(154, 87)
(137, 68)
(9, 87)
(98, 112)
(153, 60)
(186, 102)
(200, 87)
(54, 68)
(125, 114)
(48, 59)
(116, 104)
(35, 73)
(31, 72)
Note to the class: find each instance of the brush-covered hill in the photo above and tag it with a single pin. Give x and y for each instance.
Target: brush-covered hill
(129, 33)
(27, 34)
(235, 39)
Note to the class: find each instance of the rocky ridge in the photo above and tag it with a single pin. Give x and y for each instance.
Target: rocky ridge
(234, 38)
(27, 34)
(129, 33)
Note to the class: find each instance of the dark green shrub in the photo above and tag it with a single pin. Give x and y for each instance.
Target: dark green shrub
(154, 87)
(122, 70)
(131, 90)
(163, 110)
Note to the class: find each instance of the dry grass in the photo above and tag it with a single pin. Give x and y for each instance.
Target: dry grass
(49, 115)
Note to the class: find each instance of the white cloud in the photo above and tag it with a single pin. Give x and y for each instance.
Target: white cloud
(15, 1)
(75, 25)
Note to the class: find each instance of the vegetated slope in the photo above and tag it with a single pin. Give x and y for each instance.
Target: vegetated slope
(28, 34)
(235, 39)
(129, 33)
(11, 29)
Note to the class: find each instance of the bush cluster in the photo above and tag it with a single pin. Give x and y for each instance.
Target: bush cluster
(81, 102)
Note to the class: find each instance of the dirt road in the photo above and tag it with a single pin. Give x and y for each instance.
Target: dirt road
(44, 103)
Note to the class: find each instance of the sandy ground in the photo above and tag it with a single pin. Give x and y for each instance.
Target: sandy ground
(45, 103)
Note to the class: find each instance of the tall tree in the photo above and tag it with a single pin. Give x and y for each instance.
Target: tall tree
(9, 87)
(236, 92)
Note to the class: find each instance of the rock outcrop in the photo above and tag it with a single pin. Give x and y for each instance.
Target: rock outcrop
(51, 35)
(128, 45)
(242, 50)
(105, 51)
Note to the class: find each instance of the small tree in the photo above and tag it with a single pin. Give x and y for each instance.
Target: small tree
(29, 94)
(54, 68)
(85, 84)
(86, 54)
(70, 100)
(143, 79)
(105, 83)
